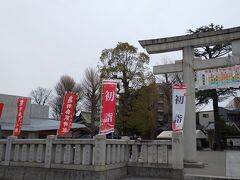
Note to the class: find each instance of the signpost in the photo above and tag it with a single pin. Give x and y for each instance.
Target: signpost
(218, 78)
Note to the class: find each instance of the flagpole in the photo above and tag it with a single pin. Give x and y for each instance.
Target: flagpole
(101, 109)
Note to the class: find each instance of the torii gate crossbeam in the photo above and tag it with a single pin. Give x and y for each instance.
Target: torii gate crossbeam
(188, 65)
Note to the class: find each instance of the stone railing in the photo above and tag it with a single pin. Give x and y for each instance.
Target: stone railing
(3, 145)
(150, 152)
(97, 154)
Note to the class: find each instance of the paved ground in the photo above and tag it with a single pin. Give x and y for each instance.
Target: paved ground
(217, 163)
(233, 163)
(144, 178)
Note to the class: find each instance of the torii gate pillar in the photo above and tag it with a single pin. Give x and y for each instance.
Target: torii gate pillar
(188, 65)
(189, 135)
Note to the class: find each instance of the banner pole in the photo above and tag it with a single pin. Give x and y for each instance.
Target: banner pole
(101, 108)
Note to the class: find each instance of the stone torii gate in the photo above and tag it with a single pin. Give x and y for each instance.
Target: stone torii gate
(188, 65)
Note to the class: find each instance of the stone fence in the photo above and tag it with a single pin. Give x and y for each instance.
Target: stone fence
(94, 155)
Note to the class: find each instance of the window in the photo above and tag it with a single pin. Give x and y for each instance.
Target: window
(203, 79)
(206, 115)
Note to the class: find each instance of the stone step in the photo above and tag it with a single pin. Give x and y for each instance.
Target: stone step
(208, 177)
(143, 178)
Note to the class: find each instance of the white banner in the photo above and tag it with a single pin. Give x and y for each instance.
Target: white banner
(218, 78)
(178, 105)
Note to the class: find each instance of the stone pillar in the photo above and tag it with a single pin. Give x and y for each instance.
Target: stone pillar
(126, 149)
(40, 156)
(24, 153)
(8, 153)
(68, 154)
(58, 154)
(16, 153)
(49, 150)
(189, 128)
(134, 157)
(118, 153)
(177, 150)
(113, 154)
(162, 154)
(108, 154)
(122, 158)
(144, 153)
(2, 151)
(152, 154)
(32, 153)
(87, 154)
(100, 150)
(78, 154)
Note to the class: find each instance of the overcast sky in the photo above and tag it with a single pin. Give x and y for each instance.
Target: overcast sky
(41, 40)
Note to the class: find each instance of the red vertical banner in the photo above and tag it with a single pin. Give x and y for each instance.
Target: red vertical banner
(109, 92)
(1, 109)
(21, 106)
(68, 110)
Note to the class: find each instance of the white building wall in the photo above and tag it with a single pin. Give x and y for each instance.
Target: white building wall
(10, 109)
(206, 117)
(39, 111)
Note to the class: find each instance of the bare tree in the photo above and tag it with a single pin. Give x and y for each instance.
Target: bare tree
(41, 95)
(91, 85)
(66, 84)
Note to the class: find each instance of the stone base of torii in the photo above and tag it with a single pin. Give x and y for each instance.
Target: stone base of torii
(188, 65)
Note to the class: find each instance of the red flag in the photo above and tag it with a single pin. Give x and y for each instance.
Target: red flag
(1, 109)
(109, 92)
(68, 109)
(21, 106)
